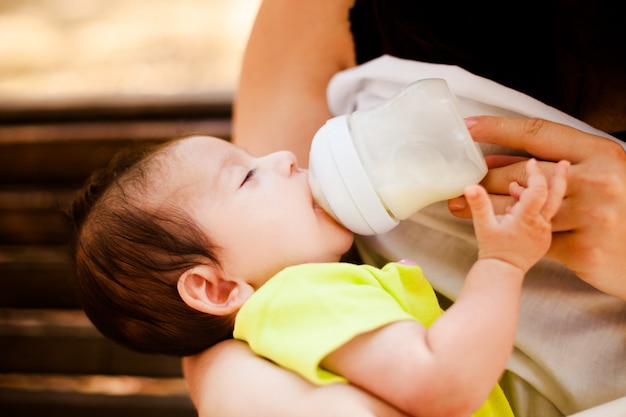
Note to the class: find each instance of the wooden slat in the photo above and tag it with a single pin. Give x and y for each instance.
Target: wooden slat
(185, 107)
(28, 403)
(33, 215)
(19, 227)
(52, 141)
(95, 384)
(65, 342)
(36, 277)
(69, 152)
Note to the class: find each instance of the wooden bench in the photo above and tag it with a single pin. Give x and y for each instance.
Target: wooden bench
(52, 360)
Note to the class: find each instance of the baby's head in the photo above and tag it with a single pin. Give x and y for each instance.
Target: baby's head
(171, 239)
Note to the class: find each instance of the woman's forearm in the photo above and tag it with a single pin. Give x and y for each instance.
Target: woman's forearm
(228, 380)
(295, 47)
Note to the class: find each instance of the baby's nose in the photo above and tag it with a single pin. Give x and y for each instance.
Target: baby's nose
(285, 161)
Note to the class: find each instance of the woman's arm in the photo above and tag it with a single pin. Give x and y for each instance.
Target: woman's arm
(295, 47)
(228, 380)
(589, 229)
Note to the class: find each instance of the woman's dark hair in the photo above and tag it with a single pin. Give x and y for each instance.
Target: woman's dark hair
(128, 255)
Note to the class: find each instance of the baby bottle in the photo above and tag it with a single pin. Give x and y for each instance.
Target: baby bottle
(380, 165)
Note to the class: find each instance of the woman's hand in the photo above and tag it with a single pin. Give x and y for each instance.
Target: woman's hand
(589, 230)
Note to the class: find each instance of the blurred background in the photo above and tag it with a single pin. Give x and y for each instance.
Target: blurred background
(80, 79)
(78, 48)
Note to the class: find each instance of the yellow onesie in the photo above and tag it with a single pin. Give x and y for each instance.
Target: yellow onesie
(307, 311)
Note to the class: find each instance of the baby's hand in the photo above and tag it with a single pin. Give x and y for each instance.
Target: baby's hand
(522, 235)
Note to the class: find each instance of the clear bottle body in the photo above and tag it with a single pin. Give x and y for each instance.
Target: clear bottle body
(415, 148)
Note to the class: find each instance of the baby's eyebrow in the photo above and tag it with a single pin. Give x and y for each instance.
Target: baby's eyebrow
(222, 167)
(223, 162)
(225, 168)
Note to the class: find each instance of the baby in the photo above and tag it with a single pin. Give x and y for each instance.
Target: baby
(179, 245)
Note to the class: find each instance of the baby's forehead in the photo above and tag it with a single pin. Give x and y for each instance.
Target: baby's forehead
(195, 158)
(193, 147)
(206, 150)
(202, 141)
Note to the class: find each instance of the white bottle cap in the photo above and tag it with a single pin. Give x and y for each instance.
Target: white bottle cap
(340, 184)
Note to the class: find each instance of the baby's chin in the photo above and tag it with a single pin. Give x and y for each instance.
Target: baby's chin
(342, 238)
(326, 216)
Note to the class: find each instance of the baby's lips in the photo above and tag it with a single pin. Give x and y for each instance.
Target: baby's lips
(406, 262)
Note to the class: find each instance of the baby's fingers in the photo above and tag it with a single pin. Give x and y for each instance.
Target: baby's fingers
(480, 205)
(542, 198)
(533, 197)
(556, 190)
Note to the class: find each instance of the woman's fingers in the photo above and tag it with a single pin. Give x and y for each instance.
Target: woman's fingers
(499, 177)
(502, 182)
(540, 138)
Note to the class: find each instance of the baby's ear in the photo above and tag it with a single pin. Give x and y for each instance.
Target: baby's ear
(204, 288)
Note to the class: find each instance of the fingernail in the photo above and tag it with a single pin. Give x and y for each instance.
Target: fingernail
(470, 122)
(457, 204)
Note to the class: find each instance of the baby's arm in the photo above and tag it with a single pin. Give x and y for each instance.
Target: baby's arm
(450, 368)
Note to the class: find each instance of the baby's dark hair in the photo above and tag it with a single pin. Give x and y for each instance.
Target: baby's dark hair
(128, 254)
